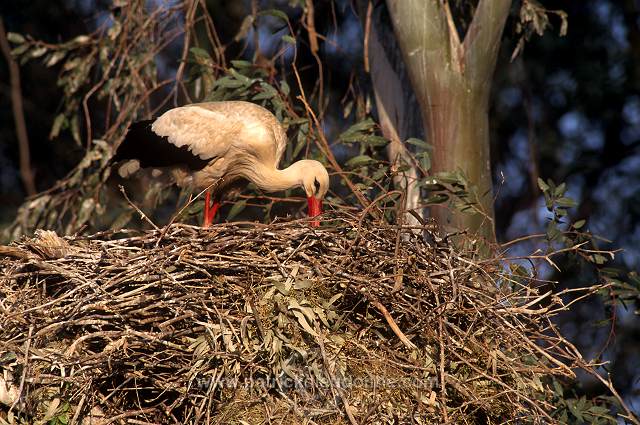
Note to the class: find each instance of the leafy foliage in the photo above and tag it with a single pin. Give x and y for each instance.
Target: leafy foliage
(571, 408)
(534, 19)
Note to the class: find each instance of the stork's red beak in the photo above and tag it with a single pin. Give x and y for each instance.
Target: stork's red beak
(315, 209)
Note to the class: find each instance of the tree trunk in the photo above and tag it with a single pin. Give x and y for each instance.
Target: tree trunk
(457, 125)
(394, 105)
(452, 81)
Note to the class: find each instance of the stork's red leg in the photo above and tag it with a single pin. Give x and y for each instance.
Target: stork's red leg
(209, 210)
(315, 209)
(214, 210)
(207, 213)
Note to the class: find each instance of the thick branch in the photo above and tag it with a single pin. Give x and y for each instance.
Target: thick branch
(482, 41)
(422, 27)
(18, 114)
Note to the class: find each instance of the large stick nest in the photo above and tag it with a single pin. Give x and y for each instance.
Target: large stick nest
(355, 322)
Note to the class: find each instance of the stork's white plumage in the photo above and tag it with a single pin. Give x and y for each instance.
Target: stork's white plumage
(218, 143)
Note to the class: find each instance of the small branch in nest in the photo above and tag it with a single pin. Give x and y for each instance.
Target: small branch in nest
(186, 205)
(12, 251)
(142, 214)
(443, 372)
(327, 366)
(256, 316)
(394, 327)
(76, 415)
(25, 367)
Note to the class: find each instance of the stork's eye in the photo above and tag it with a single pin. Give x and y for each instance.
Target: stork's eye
(316, 185)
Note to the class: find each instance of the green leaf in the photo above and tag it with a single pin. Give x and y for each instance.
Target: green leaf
(71, 64)
(558, 388)
(284, 88)
(112, 32)
(437, 198)
(16, 38)
(574, 410)
(267, 92)
(579, 224)
(425, 160)
(263, 95)
(289, 39)
(241, 64)
(75, 128)
(55, 57)
(228, 82)
(19, 50)
(598, 410)
(37, 52)
(300, 144)
(86, 211)
(359, 161)
(419, 143)
(565, 22)
(274, 12)
(246, 80)
(347, 109)
(237, 208)
(566, 202)
(57, 126)
(359, 127)
(197, 51)
(597, 259)
(431, 184)
(542, 185)
(82, 39)
(553, 233)
(122, 220)
(379, 173)
(449, 177)
(374, 140)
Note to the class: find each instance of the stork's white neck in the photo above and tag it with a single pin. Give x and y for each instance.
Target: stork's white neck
(272, 179)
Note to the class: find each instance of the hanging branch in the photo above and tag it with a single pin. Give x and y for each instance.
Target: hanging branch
(18, 114)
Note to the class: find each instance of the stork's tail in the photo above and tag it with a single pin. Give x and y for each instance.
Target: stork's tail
(150, 150)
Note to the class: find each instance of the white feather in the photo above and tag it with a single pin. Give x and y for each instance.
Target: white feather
(206, 133)
(210, 130)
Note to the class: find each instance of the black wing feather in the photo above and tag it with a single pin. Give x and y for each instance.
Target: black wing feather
(151, 150)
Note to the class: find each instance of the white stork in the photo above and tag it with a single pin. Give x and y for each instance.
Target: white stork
(218, 143)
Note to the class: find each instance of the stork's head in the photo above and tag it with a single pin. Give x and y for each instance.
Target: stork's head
(315, 182)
